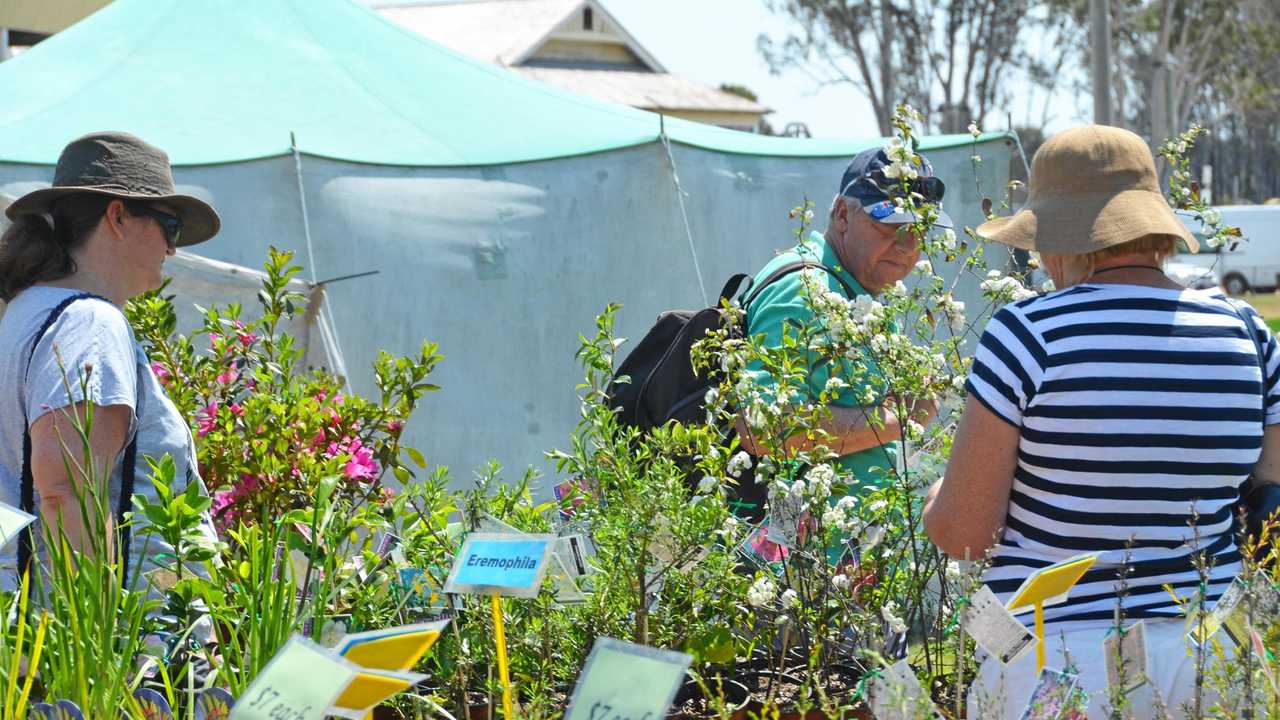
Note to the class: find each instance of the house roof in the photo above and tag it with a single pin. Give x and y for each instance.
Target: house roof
(649, 91)
(215, 82)
(498, 31)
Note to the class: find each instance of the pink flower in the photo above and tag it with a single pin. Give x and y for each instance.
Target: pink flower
(338, 399)
(321, 396)
(161, 373)
(206, 418)
(228, 376)
(222, 501)
(395, 426)
(361, 466)
(236, 409)
(247, 338)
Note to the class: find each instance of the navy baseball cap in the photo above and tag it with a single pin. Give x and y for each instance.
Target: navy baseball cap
(864, 182)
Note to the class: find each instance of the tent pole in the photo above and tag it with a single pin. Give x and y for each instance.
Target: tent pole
(337, 364)
(4, 44)
(684, 214)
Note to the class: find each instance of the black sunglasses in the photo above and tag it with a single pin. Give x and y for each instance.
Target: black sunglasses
(930, 187)
(171, 224)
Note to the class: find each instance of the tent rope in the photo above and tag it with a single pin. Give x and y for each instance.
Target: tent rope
(328, 330)
(684, 214)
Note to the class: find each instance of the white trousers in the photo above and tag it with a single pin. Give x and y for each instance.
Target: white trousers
(1002, 691)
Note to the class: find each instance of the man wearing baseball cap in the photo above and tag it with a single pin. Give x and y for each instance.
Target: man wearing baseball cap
(869, 244)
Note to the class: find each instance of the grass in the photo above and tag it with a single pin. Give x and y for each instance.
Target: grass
(1268, 305)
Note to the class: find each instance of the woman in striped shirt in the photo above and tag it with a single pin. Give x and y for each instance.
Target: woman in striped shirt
(1116, 416)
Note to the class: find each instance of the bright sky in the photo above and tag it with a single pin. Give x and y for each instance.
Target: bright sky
(714, 42)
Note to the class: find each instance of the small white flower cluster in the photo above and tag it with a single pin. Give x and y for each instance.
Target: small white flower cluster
(953, 572)
(790, 598)
(843, 516)
(738, 463)
(902, 165)
(733, 355)
(924, 267)
(761, 592)
(1212, 217)
(999, 286)
(889, 611)
(841, 582)
(974, 131)
(954, 310)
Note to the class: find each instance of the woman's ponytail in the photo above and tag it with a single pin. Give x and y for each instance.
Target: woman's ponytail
(33, 249)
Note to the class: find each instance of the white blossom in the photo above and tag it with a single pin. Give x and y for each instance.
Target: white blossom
(953, 571)
(973, 129)
(761, 592)
(889, 611)
(730, 526)
(708, 484)
(790, 598)
(841, 582)
(739, 462)
(1212, 217)
(924, 267)
(949, 239)
(835, 384)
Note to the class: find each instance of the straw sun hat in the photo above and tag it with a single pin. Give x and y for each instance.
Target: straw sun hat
(1091, 187)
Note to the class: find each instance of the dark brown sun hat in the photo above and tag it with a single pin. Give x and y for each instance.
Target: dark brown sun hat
(120, 165)
(1092, 187)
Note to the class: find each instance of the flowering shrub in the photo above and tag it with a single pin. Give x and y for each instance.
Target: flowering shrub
(800, 613)
(267, 429)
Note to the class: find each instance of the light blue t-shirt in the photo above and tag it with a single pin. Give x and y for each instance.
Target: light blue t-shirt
(94, 334)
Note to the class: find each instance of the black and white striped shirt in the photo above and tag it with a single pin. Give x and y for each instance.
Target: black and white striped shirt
(1134, 404)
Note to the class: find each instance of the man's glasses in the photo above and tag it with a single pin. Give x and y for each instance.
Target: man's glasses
(171, 224)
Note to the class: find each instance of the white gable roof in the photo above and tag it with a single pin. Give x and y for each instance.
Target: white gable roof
(505, 32)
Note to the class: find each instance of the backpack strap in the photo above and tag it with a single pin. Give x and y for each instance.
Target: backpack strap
(27, 491)
(789, 268)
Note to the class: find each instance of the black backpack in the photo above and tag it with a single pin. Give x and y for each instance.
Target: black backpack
(664, 385)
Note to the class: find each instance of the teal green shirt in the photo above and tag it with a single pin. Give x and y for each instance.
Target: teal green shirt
(784, 304)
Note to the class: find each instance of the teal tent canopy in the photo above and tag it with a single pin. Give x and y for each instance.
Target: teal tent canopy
(217, 81)
(500, 215)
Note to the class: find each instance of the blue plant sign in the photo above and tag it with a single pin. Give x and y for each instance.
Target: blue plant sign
(491, 563)
(42, 711)
(67, 710)
(214, 704)
(153, 704)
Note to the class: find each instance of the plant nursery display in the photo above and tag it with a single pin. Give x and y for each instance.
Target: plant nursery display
(350, 578)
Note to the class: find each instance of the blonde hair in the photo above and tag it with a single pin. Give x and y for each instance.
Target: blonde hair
(1082, 267)
(1162, 246)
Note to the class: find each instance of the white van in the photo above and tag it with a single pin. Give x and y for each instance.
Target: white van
(1255, 263)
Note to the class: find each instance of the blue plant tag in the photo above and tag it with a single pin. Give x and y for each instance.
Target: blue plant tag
(67, 710)
(214, 704)
(41, 711)
(489, 563)
(154, 705)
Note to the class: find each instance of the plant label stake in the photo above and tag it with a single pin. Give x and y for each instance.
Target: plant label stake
(1049, 586)
(398, 648)
(495, 565)
(300, 683)
(12, 521)
(992, 626)
(624, 681)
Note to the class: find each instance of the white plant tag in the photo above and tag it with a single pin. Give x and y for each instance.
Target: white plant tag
(994, 628)
(897, 694)
(1133, 651)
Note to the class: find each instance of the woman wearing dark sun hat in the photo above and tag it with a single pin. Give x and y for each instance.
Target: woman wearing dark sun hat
(71, 258)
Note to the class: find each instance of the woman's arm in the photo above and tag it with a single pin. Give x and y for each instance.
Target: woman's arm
(1267, 471)
(54, 438)
(965, 511)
